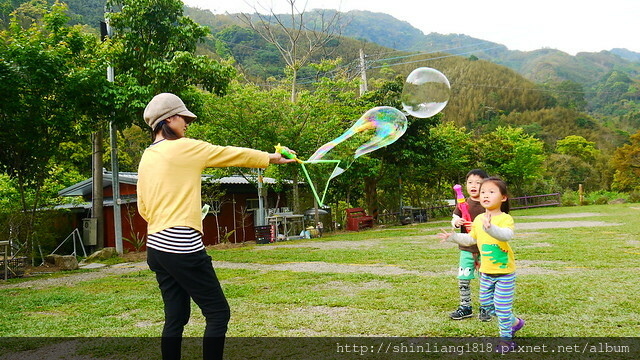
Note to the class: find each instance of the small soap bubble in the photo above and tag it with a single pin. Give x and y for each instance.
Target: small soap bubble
(426, 92)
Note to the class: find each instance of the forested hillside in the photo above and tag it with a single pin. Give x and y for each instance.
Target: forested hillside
(547, 93)
(605, 84)
(483, 93)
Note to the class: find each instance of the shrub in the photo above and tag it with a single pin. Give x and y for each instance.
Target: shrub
(602, 197)
(634, 196)
(570, 198)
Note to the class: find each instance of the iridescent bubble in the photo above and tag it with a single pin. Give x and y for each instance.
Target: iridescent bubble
(426, 92)
(378, 127)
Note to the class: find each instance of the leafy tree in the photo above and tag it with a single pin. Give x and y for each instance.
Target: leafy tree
(613, 86)
(456, 153)
(575, 145)
(155, 52)
(131, 142)
(569, 171)
(515, 156)
(552, 125)
(89, 12)
(626, 162)
(577, 161)
(52, 77)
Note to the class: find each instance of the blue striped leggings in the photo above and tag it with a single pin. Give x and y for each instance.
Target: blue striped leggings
(497, 292)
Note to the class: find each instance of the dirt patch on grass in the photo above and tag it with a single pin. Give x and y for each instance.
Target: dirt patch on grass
(535, 245)
(134, 256)
(562, 225)
(561, 216)
(533, 267)
(349, 288)
(68, 280)
(322, 245)
(41, 269)
(319, 266)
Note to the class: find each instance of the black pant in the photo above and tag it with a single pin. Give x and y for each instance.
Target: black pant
(182, 277)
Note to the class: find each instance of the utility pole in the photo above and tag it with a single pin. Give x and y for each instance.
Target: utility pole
(260, 218)
(97, 196)
(363, 74)
(115, 171)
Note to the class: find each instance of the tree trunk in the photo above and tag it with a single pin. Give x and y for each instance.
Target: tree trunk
(294, 78)
(296, 195)
(371, 195)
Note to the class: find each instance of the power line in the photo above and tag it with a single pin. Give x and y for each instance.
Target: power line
(535, 88)
(437, 51)
(430, 59)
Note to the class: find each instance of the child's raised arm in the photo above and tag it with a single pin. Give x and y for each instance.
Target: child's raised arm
(460, 239)
(500, 233)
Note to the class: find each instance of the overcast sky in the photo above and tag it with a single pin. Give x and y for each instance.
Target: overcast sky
(568, 25)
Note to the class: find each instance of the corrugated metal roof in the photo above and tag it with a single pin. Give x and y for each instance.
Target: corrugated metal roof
(239, 180)
(108, 202)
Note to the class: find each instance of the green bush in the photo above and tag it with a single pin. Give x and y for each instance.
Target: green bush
(570, 198)
(634, 196)
(602, 197)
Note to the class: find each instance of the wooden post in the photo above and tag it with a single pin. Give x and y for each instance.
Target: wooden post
(581, 193)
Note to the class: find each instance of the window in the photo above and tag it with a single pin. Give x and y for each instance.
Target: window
(253, 204)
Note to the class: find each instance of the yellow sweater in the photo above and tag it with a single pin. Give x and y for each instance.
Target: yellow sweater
(169, 179)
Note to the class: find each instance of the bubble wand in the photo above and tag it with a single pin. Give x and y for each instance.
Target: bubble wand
(284, 151)
(462, 204)
(289, 155)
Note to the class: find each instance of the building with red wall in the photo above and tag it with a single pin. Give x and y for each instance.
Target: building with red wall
(236, 209)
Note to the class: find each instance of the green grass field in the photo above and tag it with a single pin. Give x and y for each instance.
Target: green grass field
(577, 272)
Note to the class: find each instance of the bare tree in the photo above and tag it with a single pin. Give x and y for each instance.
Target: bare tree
(245, 215)
(213, 195)
(296, 39)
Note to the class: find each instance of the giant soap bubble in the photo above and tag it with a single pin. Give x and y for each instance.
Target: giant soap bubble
(425, 93)
(378, 127)
(385, 124)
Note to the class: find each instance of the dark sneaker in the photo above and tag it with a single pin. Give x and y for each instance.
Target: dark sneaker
(485, 314)
(461, 313)
(505, 346)
(519, 325)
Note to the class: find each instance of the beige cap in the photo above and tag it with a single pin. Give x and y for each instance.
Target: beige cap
(164, 106)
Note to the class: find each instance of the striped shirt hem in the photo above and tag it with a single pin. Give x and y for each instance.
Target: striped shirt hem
(177, 240)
